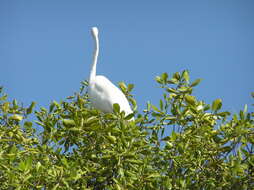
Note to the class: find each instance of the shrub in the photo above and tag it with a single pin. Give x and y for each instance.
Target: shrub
(183, 143)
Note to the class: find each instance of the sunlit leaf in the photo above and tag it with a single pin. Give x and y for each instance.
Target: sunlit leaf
(116, 108)
(69, 122)
(216, 104)
(130, 87)
(190, 99)
(16, 117)
(195, 83)
(158, 79)
(176, 76)
(111, 139)
(164, 77)
(30, 108)
(122, 86)
(171, 90)
(186, 76)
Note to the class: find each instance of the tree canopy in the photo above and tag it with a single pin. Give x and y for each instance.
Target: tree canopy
(182, 143)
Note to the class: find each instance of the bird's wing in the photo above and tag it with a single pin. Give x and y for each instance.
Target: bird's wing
(111, 93)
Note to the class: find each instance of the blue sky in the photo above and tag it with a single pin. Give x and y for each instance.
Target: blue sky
(46, 47)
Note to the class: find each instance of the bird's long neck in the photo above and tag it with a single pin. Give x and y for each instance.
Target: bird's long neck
(95, 58)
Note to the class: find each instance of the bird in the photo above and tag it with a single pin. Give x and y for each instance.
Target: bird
(102, 92)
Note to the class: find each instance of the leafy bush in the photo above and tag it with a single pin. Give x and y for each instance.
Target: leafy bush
(183, 143)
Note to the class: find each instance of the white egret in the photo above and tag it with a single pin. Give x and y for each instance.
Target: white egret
(103, 93)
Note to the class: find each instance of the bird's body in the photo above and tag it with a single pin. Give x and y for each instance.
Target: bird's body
(103, 93)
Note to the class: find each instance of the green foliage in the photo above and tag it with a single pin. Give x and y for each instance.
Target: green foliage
(183, 143)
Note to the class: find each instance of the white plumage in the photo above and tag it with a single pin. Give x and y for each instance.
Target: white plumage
(103, 93)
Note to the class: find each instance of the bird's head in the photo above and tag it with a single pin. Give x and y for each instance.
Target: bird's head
(95, 32)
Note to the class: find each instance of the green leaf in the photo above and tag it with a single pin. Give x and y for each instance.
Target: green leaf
(40, 123)
(56, 186)
(28, 124)
(51, 107)
(134, 161)
(116, 108)
(123, 86)
(15, 104)
(196, 82)
(161, 104)
(190, 99)
(75, 129)
(27, 177)
(148, 105)
(155, 108)
(184, 89)
(69, 122)
(155, 175)
(164, 77)
(16, 117)
(130, 87)
(171, 90)
(91, 120)
(216, 105)
(112, 139)
(173, 136)
(64, 162)
(6, 106)
(173, 81)
(169, 145)
(224, 114)
(128, 117)
(176, 76)
(4, 97)
(167, 138)
(134, 103)
(185, 75)
(225, 149)
(22, 166)
(245, 108)
(29, 163)
(25, 165)
(118, 187)
(158, 79)
(38, 166)
(30, 108)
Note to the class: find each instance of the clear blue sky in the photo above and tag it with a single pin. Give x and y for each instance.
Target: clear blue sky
(46, 47)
